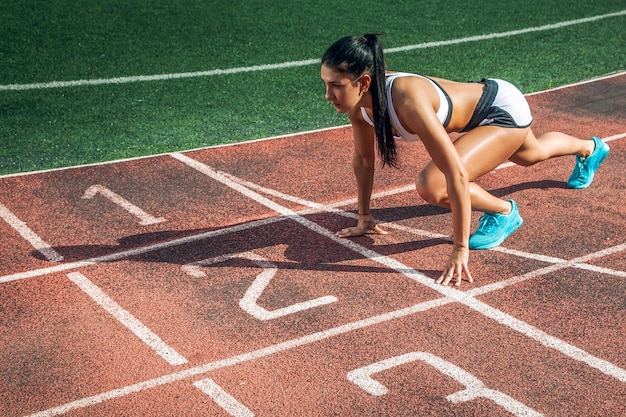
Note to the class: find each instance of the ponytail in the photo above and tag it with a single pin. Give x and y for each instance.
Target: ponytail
(378, 89)
(364, 55)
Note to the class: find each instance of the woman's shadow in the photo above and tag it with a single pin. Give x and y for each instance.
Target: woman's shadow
(305, 249)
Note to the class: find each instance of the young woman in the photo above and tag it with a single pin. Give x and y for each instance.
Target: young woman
(384, 106)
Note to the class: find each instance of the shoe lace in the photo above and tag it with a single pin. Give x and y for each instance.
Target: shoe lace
(581, 171)
(488, 223)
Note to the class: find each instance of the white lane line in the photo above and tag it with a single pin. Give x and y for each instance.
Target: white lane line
(564, 263)
(601, 270)
(127, 320)
(22, 228)
(289, 135)
(315, 208)
(222, 398)
(245, 357)
(574, 263)
(461, 297)
(306, 62)
(137, 251)
(578, 83)
(615, 137)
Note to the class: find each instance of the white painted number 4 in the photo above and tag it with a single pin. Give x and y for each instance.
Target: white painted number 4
(474, 388)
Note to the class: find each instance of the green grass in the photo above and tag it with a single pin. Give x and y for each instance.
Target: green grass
(43, 41)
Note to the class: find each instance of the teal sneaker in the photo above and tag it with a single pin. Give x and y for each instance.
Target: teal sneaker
(585, 169)
(494, 228)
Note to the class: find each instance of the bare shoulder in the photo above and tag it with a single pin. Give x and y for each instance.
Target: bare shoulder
(411, 84)
(417, 92)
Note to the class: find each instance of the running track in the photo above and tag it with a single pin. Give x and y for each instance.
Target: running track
(210, 283)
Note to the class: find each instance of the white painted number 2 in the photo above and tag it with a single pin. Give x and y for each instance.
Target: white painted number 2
(249, 301)
(474, 388)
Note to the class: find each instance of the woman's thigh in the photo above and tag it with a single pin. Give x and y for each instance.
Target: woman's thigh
(483, 149)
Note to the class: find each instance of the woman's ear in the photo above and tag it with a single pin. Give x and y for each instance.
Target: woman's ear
(366, 82)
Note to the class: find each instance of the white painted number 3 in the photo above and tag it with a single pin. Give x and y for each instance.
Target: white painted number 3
(249, 301)
(474, 388)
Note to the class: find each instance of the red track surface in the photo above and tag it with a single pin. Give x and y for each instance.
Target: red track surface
(186, 316)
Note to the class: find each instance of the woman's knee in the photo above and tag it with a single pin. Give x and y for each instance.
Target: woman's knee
(531, 151)
(525, 160)
(431, 189)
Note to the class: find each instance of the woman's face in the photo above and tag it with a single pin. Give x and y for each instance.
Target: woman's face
(341, 90)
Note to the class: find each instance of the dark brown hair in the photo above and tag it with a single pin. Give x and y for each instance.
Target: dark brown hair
(364, 55)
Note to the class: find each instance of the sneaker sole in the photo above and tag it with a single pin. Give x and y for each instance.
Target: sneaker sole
(498, 242)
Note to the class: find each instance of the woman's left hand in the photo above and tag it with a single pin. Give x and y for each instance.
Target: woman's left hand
(456, 267)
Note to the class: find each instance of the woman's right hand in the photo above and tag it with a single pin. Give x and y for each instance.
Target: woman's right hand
(365, 225)
(456, 267)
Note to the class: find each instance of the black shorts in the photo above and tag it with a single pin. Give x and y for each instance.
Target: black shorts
(501, 104)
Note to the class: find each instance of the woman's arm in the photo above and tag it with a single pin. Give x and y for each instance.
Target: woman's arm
(363, 164)
(417, 112)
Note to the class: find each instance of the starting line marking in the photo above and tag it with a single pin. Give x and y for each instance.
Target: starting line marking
(562, 263)
(245, 357)
(499, 316)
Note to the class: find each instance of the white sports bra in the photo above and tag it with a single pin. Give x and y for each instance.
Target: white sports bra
(443, 113)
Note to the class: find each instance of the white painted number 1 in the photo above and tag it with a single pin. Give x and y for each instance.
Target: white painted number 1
(474, 388)
(145, 218)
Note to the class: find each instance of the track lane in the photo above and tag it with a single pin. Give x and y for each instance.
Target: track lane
(312, 351)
